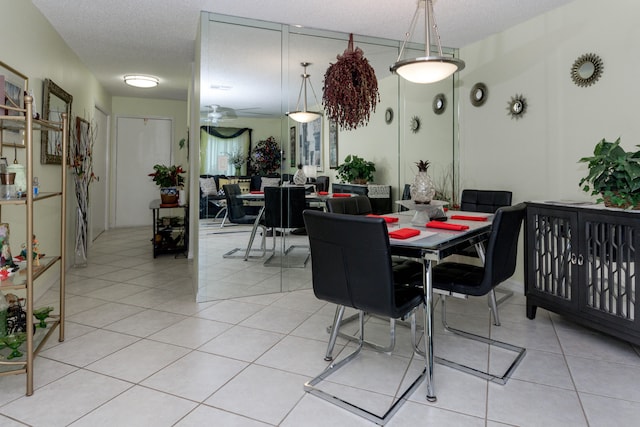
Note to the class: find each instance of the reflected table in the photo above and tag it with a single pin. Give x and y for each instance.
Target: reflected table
(424, 212)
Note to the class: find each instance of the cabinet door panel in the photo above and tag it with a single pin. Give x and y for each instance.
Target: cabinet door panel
(610, 252)
(553, 241)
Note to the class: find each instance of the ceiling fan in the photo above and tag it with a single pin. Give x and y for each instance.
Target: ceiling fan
(215, 114)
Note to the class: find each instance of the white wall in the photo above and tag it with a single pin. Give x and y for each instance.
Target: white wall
(536, 156)
(30, 45)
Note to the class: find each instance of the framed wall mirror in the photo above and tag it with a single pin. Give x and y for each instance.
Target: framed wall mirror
(55, 101)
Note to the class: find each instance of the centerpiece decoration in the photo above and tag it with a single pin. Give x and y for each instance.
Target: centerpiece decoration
(350, 91)
(237, 159)
(422, 189)
(356, 170)
(266, 157)
(614, 175)
(169, 179)
(81, 164)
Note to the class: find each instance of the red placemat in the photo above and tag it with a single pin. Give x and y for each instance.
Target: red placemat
(323, 193)
(256, 192)
(470, 217)
(341, 195)
(404, 233)
(447, 225)
(386, 218)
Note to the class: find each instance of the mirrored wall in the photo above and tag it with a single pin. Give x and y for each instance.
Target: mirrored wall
(250, 77)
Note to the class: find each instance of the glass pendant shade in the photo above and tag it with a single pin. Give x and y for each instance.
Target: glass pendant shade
(304, 116)
(430, 68)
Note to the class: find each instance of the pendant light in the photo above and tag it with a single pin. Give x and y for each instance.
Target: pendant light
(304, 116)
(430, 68)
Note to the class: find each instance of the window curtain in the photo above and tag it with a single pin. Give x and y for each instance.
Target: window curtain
(217, 147)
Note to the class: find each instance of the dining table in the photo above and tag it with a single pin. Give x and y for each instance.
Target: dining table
(431, 242)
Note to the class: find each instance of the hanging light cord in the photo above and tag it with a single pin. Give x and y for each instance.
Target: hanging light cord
(429, 16)
(303, 88)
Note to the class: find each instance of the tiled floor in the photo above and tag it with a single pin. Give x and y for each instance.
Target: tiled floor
(140, 352)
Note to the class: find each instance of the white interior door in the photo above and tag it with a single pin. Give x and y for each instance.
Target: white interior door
(98, 190)
(140, 144)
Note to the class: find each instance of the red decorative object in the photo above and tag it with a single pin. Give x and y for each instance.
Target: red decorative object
(350, 91)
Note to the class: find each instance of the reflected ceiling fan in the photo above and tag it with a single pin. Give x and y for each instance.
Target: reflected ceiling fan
(216, 114)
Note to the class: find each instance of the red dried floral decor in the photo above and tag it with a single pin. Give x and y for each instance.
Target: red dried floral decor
(350, 91)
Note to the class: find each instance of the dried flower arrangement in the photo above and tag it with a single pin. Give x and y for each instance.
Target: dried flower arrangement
(350, 91)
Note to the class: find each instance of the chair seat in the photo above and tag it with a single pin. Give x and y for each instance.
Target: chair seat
(458, 277)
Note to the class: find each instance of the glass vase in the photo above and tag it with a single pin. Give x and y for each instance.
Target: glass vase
(422, 189)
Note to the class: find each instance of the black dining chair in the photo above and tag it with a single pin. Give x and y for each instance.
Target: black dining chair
(485, 201)
(236, 214)
(354, 205)
(283, 207)
(461, 279)
(351, 267)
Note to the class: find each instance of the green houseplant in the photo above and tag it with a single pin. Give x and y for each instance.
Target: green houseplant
(614, 175)
(356, 170)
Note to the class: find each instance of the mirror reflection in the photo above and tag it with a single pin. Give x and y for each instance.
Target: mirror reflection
(56, 101)
(251, 73)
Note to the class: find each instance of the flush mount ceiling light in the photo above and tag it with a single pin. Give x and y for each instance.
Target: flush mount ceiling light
(432, 67)
(304, 116)
(138, 80)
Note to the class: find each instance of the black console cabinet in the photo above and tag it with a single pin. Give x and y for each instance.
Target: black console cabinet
(580, 262)
(380, 195)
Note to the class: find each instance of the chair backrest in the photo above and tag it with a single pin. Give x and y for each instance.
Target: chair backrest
(484, 200)
(351, 261)
(355, 205)
(235, 206)
(322, 183)
(502, 249)
(283, 207)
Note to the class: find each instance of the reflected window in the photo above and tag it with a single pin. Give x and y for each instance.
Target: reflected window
(224, 151)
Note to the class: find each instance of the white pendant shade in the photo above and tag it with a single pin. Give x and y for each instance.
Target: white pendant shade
(427, 69)
(303, 116)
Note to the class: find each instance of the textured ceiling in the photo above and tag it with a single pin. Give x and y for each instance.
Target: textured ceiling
(116, 37)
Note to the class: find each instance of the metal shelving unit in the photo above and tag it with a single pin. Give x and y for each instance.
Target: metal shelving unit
(25, 278)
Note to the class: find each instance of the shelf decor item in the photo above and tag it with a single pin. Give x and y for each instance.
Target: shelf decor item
(41, 314)
(422, 189)
(614, 175)
(356, 170)
(350, 91)
(168, 178)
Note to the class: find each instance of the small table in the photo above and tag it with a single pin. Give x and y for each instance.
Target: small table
(435, 246)
(170, 233)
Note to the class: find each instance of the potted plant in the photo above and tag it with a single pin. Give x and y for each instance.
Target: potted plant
(168, 178)
(356, 170)
(614, 175)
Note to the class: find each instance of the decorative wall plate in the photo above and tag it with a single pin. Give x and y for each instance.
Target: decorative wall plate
(478, 94)
(414, 125)
(388, 116)
(586, 70)
(439, 103)
(517, 106)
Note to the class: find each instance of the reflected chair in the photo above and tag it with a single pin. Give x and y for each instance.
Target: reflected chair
(356, 205)
(322, 183)
(463, 280)
(486, 201)
(351, 267)
(283, 208)
(236, 214)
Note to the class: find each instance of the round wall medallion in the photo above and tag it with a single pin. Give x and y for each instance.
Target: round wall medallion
(414, 125)
(388, 116)
(517, 106)
(478, 94)
(586, 70)
(439, 103)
